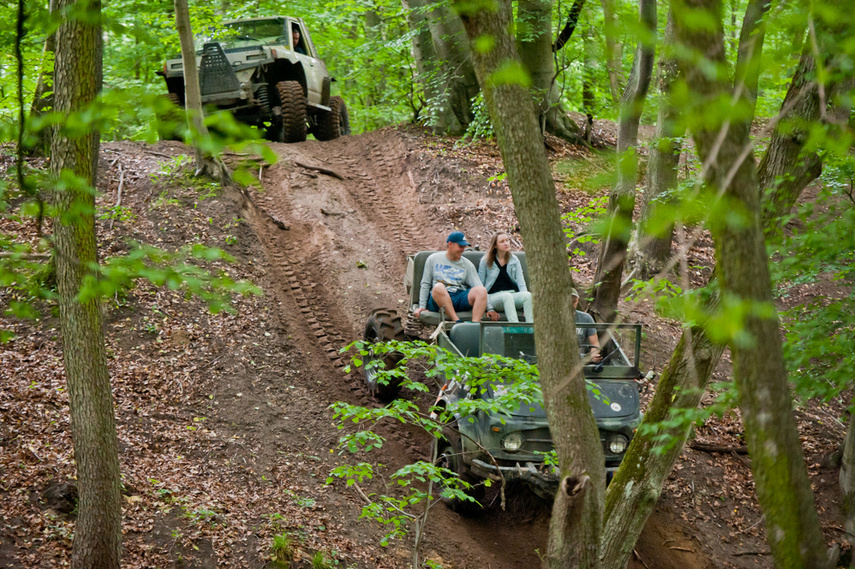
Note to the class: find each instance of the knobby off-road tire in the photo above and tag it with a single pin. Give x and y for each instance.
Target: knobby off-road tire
(329, 125)
(450, 455)
(343, 117)
(383, 325)
(294, 125)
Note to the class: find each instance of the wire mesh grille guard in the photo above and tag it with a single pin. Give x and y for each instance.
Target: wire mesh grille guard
(215, 71)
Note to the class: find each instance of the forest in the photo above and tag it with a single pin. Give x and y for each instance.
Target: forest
(185, 288)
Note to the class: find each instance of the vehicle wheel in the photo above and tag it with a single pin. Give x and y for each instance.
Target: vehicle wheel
(450, 455)
(328, 126)
(383, 325)
(171, 121)
(293, 111)
(344, 117)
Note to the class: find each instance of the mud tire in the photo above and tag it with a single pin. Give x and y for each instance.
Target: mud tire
(329, 125)
(450, 455)
(343, 117)
(294, 117)
(383, 325)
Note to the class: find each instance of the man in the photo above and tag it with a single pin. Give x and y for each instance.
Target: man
(450, 282)
(585, 330)
(295, 40)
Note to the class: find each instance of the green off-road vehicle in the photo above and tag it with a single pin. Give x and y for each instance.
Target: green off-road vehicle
(254, 69)
(513, 444)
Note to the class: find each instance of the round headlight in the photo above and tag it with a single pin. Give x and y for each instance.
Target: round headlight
(512, 442)
(617, 443)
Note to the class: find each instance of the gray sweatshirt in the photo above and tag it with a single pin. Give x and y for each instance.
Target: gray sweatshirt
(455, 275)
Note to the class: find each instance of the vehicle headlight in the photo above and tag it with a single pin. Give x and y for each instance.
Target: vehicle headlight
(512, 442)
(617, 443)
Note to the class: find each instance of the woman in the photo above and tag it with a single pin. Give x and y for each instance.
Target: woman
(502, 275)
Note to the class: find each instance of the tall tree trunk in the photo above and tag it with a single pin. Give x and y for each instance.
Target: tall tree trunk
(777, 461)
(751, 38)
(632, 494)
(614, 50)
(577, 512)
(457, 78)
(77, 82)
(847, 479)
(589, 105)
(622, 199)
(534, 44)
(654, 248)
(206, 165)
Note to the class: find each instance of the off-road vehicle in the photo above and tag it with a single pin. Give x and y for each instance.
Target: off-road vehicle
(252, 69)
(512, 444)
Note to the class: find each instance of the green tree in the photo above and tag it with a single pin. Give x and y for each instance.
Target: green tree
(74, 159)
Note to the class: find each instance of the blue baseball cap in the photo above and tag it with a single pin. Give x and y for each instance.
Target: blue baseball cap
(457, 237)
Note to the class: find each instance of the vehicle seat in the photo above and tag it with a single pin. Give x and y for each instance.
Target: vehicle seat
(466, 336)
(413, 279)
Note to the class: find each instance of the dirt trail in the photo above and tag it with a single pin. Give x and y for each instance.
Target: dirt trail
(337, 221)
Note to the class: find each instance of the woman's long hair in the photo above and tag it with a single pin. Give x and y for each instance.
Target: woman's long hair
(494, 248)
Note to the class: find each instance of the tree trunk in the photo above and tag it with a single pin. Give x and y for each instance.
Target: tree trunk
(847, 480)
(751, 39)
(622, 200)
(534, 44)
(206, 165)
(576, 524)
(77, 81)
(654, 248)
(614, 50)
(569, 26)
(457, 79)
(589, 105)
(681, 386)
(43, 96)
(777, 461)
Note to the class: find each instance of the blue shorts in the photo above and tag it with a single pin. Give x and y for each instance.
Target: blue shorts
(459, 300)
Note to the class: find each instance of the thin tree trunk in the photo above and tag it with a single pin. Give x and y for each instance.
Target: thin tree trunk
(43, 96)
(576, 524)
(614, 50)
(654, 248)
(847, 480)
(569, 26)
(777, 460)
(622, 199)
(77, 82)
(681, 386)
(210, 166)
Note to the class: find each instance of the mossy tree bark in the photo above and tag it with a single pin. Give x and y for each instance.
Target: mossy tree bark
(74, 158)
(681, 386)
(575, 529)
(777, 460)
(612, 256)
(206, 165)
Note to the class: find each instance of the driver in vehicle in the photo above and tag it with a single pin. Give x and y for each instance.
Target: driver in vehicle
(587, 333)
(299, 47)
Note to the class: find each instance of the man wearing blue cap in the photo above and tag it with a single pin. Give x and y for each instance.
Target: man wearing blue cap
(450, 282)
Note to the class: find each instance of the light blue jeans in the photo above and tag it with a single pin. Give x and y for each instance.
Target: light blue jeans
(508, 302)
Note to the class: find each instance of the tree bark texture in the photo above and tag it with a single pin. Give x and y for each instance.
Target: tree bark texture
(654, 249)
(77, 81)
(614, 50)
(456, 79)
(534, 44)
(622, 199)
(777, 461)
(577, 513)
